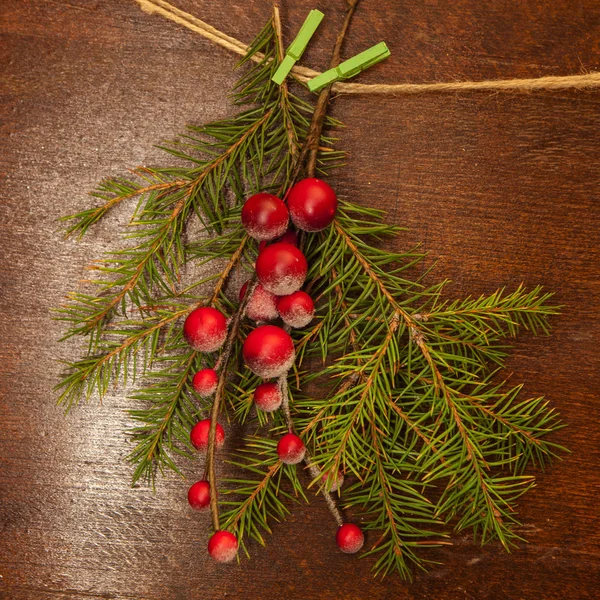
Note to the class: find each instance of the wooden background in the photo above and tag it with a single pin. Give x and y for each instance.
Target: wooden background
(500, 188)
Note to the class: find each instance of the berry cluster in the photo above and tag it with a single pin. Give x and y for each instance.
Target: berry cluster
(268, 350)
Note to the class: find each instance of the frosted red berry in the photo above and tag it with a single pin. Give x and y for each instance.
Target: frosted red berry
(297, 309)
(289, 237)
(268, 351)
(199, 435)
(281, 268)
(205, 329)
(349, 538)
(263, 304)
(267, 397)
(336, 484)
(290, 449)
(265, 216)
(199, 495)
(312, 204)
(205, 382)
(223, 546)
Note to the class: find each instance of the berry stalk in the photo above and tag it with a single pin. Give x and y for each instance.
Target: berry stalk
(223, 364)
(314, 471)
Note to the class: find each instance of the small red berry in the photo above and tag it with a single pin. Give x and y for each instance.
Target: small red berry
(349, 538)
(297, 309)
(205, 329)
(336, 484)
(265, 216)
(312, 204)
(261, 246)
(268, 351)
(223, 546)
(290, 449)
(267, 397)
(289, 237)
(199, 495)
(263, 304)
(205, 382)
(281, 268)
(199, 435)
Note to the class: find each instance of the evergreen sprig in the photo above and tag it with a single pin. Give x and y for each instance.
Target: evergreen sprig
(395, 386)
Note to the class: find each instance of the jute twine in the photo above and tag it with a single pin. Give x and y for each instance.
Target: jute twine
(588, 80)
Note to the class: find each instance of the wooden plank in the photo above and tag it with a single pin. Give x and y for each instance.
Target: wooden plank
(500, 189)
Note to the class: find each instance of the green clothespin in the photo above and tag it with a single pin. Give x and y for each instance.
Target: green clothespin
(296, 49)
(351, 67)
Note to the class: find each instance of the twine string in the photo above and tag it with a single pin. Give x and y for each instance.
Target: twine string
(583, 81)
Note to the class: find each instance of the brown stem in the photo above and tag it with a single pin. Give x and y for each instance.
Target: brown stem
(291, 134)
(314, 471)
(311, 145)
(232, 334)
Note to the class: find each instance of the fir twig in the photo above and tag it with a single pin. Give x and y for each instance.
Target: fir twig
(410, 404)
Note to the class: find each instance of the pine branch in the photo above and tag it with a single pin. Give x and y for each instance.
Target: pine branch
(255, 502)
(167, 418)
(409, 401)
(133, 346)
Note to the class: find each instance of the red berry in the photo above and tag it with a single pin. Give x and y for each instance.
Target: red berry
(336, 484)
(289, 237)
(312, 204)
(349, 538)
(261, 246)
(281, 268)
(297, 309)
(199, 495)
(199, 435)
(243, 290)
(263, 304)
(223, 546)
(290, 449)
(269, 351)
(205, 382)
(205, 329)
(267, 397)
(265, 216)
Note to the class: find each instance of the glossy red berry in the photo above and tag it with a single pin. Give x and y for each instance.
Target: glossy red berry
(223, 546)
(290, 449)
(199, 495)
(312, 204)
(205, 382)
(281, 268)
(268, 351)
(349, 538)
(267, 397)
(297, 309)
(265, 216)
(263, 304)
(199, 435)
(205, 329)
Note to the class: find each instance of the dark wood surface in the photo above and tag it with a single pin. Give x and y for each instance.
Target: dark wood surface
(500, 188)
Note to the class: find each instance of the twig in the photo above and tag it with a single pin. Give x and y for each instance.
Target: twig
(311, 144)
(314, 471)
(232, 334)
(314, 135)
(292, 141)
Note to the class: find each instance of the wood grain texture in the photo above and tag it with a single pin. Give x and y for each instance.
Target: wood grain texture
(500, 189)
